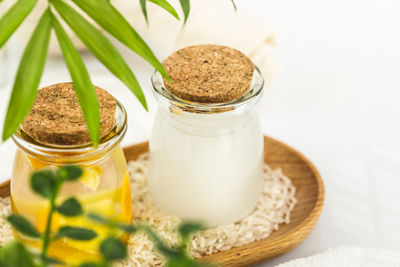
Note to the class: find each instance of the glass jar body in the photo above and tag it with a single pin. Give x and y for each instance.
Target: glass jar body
(206, 167)
(103, 189)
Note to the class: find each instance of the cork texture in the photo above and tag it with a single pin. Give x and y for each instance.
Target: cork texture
(56, 117)
(208, 73)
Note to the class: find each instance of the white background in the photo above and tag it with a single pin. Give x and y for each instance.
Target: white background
(337, 100)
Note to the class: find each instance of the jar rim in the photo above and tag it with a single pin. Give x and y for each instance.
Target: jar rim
(108, 141)
(164, 96)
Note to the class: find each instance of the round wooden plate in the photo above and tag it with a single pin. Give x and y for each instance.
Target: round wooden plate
(309, 194)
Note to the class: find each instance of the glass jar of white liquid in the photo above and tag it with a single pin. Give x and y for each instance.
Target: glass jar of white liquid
(206, 159)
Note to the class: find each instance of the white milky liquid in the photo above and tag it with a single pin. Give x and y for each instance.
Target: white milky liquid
(207, 167)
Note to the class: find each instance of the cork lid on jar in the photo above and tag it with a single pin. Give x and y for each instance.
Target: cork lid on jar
(56, 117)
(208, 73)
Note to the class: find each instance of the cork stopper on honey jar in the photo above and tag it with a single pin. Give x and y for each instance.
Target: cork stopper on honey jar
(208, 73)
(56, 117)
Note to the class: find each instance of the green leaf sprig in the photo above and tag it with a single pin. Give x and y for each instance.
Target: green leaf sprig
(47, 184)
(23, 226)
(177, 256)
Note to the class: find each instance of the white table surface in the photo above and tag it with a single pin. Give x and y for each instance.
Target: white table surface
(337, 100)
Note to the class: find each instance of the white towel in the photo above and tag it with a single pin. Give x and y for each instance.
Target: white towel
(348, 257)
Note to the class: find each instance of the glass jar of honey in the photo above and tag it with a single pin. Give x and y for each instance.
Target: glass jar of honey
(206, 149)
(55, 134)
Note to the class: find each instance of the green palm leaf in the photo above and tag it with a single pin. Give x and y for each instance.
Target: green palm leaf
(101, 47)
(13, 18)
(28, 76)
(161, 3)
(115, 24)
(83, 85)
(185, 4)
(166, 6)
(234, 5)
(144, 9)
